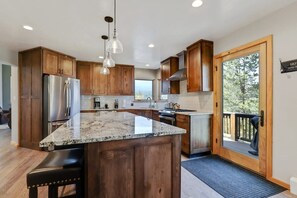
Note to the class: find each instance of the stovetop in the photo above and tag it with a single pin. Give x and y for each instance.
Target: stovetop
(171, 112)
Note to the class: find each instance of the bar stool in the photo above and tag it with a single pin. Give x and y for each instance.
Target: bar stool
(59, 168)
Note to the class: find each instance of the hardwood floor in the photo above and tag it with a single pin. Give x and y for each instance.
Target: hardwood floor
(15, 163)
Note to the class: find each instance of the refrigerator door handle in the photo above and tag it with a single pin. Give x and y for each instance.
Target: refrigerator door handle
(66, 98)
(69, 100)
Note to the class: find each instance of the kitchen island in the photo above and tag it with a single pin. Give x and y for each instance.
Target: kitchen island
(125, 155)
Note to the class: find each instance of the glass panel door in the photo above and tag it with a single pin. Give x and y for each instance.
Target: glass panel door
(240, 91)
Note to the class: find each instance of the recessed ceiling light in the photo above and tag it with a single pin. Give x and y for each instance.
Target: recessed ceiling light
(197, 3)
(147, 65)
(151, 45)
(101, 57)
(27, 27)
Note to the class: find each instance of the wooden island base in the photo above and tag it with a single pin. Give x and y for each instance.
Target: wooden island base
(145, 167)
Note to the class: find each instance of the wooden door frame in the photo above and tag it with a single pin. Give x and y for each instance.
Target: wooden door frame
(269, 105)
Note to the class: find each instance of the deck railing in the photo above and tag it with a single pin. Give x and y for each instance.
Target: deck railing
(237, 126)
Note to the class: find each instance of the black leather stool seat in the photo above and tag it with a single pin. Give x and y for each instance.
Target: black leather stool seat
(60, 167)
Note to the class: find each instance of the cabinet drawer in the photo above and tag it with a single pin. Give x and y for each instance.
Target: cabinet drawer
(183, 118)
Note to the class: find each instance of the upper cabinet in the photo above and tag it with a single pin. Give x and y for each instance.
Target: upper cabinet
(120, 81)
(200, 66)
(55, 63)
(127, 80)
(169, 67)
(85, 74)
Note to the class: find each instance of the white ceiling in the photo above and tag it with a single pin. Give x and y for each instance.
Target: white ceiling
(75, 26)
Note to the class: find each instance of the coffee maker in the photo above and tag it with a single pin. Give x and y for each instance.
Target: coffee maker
(97, 103)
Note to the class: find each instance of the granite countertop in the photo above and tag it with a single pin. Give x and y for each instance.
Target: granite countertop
(107, 126)
(195, 113)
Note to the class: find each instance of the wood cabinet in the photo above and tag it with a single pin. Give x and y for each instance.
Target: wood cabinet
(33, 63)
(114, 81)
(155, 115)
(127, 80)
(145, 167)
(197, 140)
(168, 68)
(100, 83)
(200, 66)
(30, 98)
(55, 63)
(85, 74)
(120, 81)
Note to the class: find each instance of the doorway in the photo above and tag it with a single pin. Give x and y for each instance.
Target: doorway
(5, 101)
(243, 105)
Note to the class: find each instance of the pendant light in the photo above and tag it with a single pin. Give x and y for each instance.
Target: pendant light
(108, 61)
(104, 70)
(114, 45)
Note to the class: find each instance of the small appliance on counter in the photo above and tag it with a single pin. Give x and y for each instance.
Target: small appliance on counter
(116, 104)
(97, 103)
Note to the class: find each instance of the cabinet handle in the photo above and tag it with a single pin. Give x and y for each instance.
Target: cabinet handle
(62, 71)
(59, 71)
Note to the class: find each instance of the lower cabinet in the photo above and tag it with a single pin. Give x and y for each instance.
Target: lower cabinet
(145, 167)
(198, 136)
(155, 115)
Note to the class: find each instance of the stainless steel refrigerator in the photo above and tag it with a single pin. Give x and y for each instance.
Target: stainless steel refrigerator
(61, 101)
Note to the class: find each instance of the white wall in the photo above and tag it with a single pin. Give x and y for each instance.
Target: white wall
(283, 25)
(1, 91)
(11, 58)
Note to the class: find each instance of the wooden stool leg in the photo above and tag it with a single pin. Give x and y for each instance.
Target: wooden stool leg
(53, 191)
(33, 192)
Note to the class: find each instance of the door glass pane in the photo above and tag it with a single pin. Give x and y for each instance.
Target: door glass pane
(241, 104)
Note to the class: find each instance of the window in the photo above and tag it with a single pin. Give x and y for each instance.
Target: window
(143, 89)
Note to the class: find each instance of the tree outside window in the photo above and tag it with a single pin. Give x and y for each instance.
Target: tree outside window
(143, 89)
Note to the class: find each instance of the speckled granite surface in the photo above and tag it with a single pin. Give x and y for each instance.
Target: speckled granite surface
(107, 126)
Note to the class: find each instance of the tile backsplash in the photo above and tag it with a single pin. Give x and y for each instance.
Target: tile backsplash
(87, 102)
(199, 101)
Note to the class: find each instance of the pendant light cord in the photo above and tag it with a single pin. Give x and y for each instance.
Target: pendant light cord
(115, 19)
(104, 49)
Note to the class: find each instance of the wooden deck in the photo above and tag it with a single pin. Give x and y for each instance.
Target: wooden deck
(238, 146)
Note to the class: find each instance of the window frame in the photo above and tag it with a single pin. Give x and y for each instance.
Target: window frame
(143, 100)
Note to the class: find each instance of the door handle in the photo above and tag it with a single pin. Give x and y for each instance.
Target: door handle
(261, 118)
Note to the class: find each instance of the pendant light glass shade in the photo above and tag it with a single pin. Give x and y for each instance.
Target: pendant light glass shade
(104, 71)
(114, 46)
(108, 61)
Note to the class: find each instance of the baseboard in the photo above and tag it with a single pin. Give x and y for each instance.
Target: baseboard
(14, 144)
(279, 182)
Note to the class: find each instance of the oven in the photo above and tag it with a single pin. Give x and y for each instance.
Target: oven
(167, 119)
(168, 115)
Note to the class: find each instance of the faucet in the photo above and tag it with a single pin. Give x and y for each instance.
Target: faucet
(150, 99)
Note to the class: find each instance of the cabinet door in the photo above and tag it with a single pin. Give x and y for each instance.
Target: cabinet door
(183, 121)
(85, 74)
(128, 80)
(194, 68)
(50, 62)
(114, 81)
(207, 66)
(99, 81)
(67, 66)
(165, 74)
(155, 115)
